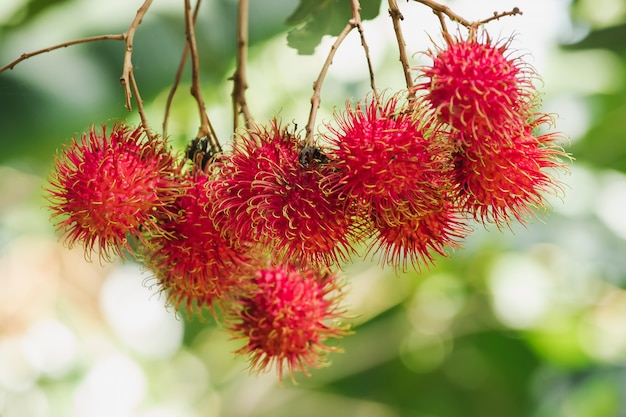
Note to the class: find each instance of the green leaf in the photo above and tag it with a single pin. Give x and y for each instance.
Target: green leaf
(604, 145)
(305, 9)
(325, 17)
(29, 11)
(611, 38)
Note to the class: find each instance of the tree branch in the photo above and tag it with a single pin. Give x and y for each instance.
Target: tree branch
(440, 10)
(356, 17)
(317, 85)
(129, 35)
(127, 78)
(178, 76)
(28, 55)
(139, 101)
(496, 15)
(206, 129)
(240, 84)
(396, 17)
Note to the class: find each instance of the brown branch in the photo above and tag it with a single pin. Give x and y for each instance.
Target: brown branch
(356, 17)
(206, 129)
(396, 17)
(439, 9)
(140, 110)
(178, 76)
(129, 35)
(444, 28)
(127, 79)
(496, 15)
(170, 96)
(28, 55)
(317, 85)
(240, 85)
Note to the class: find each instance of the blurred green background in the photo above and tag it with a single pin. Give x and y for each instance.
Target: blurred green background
(523, 322)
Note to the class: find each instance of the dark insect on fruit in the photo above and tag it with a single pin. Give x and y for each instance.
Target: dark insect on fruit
(310, 154)
(199, 152)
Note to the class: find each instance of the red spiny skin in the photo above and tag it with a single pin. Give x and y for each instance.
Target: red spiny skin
(110, 189)
(194, 262)
(476, 84)
(390, 159)
(419, 238)
(287, 318)
(267, 195)
(505, 181)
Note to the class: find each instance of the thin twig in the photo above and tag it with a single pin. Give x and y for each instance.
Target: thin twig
(170, 96)
(444, 28)
(396, 17)
(129, 35)
(240, 84)
(206, 129)
(442, 9)
(496, 15)
(28, 55)
(178, 76)
(317, 85)
(140, 110)
(356, 16)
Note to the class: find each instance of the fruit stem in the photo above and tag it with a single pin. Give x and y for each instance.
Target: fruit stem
(178, 76)
(240, 85)
(129, 36)
(396, 17)
(354, 22)
(206, 129)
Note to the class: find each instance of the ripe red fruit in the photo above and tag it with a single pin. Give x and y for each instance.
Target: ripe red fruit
(270, 193)
(109, 190)
(478, 84)
(416, 240)
(194, 262)
(502, 179)
(390, 159)
(287, 318)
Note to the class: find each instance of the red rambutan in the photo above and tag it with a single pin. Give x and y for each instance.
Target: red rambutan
(418, 238)
(109, 190)
(194, 262)
(503, 179)
(269, 193)
(478, 84)
(390, 159)
(287, 318)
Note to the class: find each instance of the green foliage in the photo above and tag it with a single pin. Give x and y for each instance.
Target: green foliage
(318, 18)
(604, 144)
(29, 11)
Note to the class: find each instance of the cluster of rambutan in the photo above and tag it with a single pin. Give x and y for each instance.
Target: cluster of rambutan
(256, 234)
(488, 103)
(228, 237)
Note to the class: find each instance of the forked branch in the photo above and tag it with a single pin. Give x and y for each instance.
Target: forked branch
(440, 10)
(127, 78)
(356, 17)
(396, 17)
(206, 129)
(178, 76)
(354, 22)
(129, 36)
